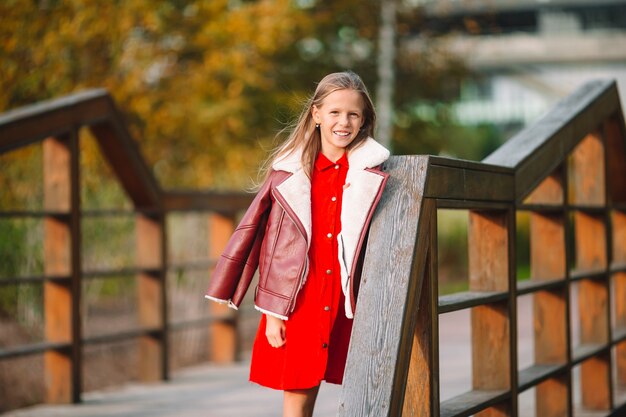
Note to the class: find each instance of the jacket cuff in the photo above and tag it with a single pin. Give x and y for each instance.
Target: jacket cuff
(270, 313)
(220, 301)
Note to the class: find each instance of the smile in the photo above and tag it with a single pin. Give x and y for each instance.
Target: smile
(341, 133)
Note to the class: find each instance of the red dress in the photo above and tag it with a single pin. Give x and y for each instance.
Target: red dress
(318, 331)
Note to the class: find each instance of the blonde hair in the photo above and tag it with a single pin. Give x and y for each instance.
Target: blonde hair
(304, 135)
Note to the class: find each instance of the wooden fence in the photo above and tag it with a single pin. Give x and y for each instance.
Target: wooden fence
(568, 173)
(57, 125)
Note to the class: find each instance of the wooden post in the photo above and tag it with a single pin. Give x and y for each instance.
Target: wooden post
(619, 288)
(386, 313)
(547, 262)
(488, 246)
(591, 250)
(223, 330)
(421, 397)
(588, 172)
(151, 297)
(62, 258)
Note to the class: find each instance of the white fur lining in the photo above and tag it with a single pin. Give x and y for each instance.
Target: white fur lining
(270, 313)
(296, 191)
(367, 155)
(345, 278)
(220, 301)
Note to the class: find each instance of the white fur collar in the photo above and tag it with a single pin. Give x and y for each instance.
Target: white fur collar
(367, 155)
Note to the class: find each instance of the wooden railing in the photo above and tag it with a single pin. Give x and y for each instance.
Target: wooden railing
(568, 173)
(57, 125)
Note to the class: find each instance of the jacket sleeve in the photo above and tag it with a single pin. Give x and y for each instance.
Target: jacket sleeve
(238, 263)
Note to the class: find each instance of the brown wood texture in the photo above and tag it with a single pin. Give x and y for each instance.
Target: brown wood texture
(591, 250)
(491, 365)
(421, 398)
(587, 172)
(618, 222)
(547, 247)
(468, 184)
(124, 158)
(550, 327)
(619, 297)
(223, 334)
(616, 158)
(150, 298)
(384, 324)
(61, 300)
(593, 312)
(550, 191)
(551, 398)
(488, 247)
(538, 150)
(595, 380)
(29, 124)
(502, 410)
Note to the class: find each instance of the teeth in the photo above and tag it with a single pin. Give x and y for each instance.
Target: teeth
(341, 133)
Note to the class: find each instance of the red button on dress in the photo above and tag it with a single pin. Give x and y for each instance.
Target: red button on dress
(318, 331)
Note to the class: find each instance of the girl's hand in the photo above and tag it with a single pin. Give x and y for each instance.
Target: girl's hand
(275, 331)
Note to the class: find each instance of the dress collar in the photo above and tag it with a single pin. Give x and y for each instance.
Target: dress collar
(322, 162)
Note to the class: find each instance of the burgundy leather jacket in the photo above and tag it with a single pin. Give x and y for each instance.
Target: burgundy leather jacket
(274, 234)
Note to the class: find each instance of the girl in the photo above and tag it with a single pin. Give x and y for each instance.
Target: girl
(305, 230)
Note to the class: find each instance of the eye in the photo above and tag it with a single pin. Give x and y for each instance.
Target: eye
(334, 112)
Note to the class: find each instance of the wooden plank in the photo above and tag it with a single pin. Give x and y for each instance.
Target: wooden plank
(595, 379)
(150, 300)
(467, 299)
(56, 117)
(472, 402)
(379, 351)
(465, 164)
(594, 314)
(32, 349)
(539, 149)
(422, 376)
(552, 398)
(491, 365)
(123, 156)
(62, 258)
(534, 374)
(549, 191)
(591, 250)
(619, 297)
(488, 247)
(550, 327)
(223, 334)
(465, 184)
(587, 171)
(547, 247)
(618, 223)
(616, 158)
(530, 286)
(583, 352)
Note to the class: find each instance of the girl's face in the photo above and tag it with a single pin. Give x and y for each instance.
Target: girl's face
(340, 117)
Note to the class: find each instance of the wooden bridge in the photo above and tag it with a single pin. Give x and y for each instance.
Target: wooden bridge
(567, 173)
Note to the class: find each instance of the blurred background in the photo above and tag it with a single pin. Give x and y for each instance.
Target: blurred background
(206, 85)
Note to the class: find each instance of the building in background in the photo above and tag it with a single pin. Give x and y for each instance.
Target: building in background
(526, 54)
